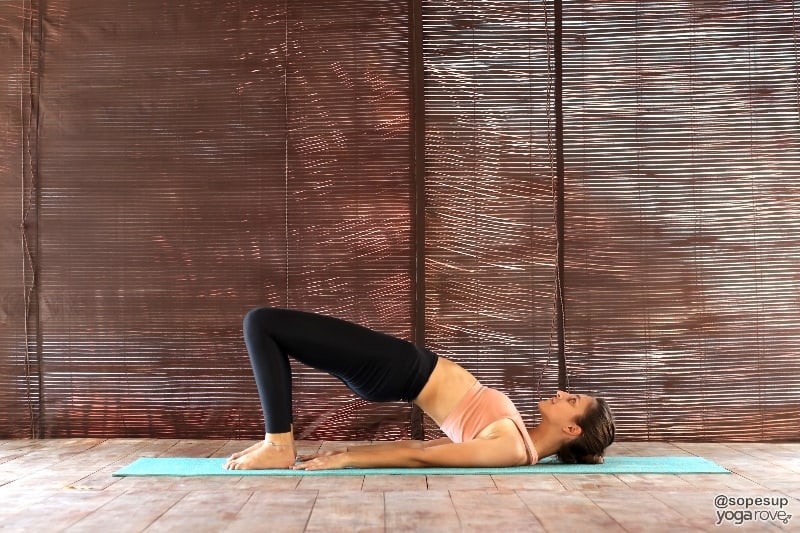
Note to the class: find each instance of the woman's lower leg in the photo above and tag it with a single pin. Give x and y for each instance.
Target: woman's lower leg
(374, 365)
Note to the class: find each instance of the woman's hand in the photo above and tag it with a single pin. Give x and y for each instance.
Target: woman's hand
(322, 461)
(310, 456)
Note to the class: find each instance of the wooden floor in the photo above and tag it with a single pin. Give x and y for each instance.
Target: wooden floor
(66, 485)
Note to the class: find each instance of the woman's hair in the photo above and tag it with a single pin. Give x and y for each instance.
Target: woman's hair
(597, 425)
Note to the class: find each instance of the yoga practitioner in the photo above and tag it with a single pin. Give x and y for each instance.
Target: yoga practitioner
(483, 427)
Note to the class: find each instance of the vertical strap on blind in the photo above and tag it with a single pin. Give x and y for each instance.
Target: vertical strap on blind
(563, 382)
(417, 171)
(29, 223)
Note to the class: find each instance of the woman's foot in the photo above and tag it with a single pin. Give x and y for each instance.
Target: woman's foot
(262, 456)
(244, 452)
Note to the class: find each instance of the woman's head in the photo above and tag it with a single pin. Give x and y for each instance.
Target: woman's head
(596, 433)
(584, 425)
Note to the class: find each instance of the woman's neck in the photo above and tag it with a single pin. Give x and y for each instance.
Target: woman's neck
(546, 439)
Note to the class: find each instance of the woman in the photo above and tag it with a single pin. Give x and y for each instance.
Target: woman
(483, 427)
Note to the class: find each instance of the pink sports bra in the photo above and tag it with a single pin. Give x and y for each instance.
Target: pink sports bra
(480, 407)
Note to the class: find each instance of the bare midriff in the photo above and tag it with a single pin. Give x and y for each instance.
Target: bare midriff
(448, 384)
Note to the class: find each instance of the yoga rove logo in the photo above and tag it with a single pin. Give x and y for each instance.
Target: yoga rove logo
(740, 510)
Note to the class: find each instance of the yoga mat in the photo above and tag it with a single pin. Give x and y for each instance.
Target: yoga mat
(189, 466)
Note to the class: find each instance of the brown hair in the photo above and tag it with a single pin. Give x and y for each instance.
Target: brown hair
(597, 425)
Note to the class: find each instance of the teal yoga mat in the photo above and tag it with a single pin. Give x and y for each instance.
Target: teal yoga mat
(188, 466)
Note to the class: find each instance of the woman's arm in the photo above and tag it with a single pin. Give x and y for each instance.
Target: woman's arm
(382, 446)
(390, 445)
(506, 449)
(386, 445)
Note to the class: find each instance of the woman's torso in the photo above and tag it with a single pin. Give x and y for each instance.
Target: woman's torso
(448, 385)
(445, 388)
(466, 410)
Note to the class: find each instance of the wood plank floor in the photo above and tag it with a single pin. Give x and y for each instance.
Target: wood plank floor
(66, 485)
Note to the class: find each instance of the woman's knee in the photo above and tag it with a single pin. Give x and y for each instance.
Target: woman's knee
(258, 318)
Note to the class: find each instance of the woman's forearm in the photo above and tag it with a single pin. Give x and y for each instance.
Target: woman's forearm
(387, 457)
(388, 445)
(407, 453)
(402, 454)
(395, 444)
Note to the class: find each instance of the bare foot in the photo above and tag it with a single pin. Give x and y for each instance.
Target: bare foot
(264, 455)
(244, 452)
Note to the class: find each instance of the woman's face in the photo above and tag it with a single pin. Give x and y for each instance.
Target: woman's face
(564, 408)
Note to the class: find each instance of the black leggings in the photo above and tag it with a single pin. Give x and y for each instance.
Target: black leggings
(376, 366)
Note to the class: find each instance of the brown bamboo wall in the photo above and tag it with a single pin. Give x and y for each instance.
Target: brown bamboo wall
(168, 167)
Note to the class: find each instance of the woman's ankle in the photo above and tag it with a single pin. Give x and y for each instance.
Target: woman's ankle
(279, 439)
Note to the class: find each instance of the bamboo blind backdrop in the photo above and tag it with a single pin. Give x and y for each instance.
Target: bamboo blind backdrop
(168, 167)
(489, 189)
(683, 247)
